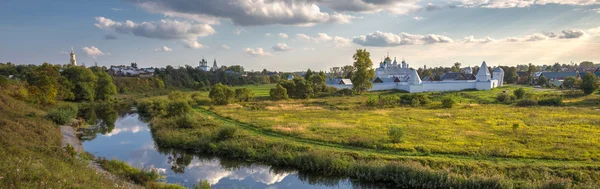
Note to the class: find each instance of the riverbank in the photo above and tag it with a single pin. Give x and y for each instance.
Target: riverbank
(70, 140)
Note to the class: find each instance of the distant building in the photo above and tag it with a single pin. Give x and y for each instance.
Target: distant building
(393, 76)
(73, 61)
(290, 77)
(215, 67)
(204, 65)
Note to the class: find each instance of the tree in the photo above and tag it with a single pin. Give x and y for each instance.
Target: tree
(586, 64)
(304, 89)
(456, 67)
(396, 134)
(589, 83)
(84, 82)
(105, 88)
(243, 94)
(510, 74)
(274, 78)
(570, 83)
(361, 79)
(290, 86)
(519, 93)
(43, 84)
(318, 81)
(308, 74)
(542, 81)
(278, 93)
(347, 71)
(221, 94)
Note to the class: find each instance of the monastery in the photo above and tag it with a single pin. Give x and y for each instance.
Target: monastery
(391, 75)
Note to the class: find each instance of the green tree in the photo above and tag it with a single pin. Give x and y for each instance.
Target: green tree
(304, 89)
(586, 64)
(243, 94)
(65, 91)
(274, 78)
(589, 83)
(221, 94)
(290, 86)
(542, 81)
(361, 79)
(319, 82)
(278, 93)
(456, 67)
(105, 88)
(570, 83)
(43, 84)
(308, 74)
(178, 107)
(510, 74)
(84, 82)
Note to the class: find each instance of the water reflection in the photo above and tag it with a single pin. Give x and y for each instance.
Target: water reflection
(128, 138)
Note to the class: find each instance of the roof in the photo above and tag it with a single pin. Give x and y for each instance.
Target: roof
(427, 78)
(559, 75)
(345, 82)
(457, 76)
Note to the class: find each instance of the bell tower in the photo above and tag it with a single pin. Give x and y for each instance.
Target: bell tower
(73, 61)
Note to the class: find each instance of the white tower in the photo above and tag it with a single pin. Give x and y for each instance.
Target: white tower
(498, 74)
(73, 60)
(483, 74)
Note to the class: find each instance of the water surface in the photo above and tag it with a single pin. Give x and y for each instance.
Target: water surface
(129, 139)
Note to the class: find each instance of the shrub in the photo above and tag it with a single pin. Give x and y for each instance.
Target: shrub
(124, 170)
(414, 100)
(551, 102)
(389, 101)
(504, 97)
(330, 89)
(278, 93)
(344, 92)
(153, 107)
(227, 132)
(573, 93)
(62, 115)
(179, 107)
(448, 102)
(396, 134)
(589, 83)
(221, 94)
(371, 101)
(519, 93)
(526, 102)
(177, 95)
(243, 94)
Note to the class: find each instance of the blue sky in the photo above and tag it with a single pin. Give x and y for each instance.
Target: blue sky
(320, 33)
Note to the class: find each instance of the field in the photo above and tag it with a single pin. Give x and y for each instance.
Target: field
(259, 90)
(478, 141)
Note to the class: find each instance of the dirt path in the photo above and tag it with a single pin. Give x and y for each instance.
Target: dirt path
(70, 138)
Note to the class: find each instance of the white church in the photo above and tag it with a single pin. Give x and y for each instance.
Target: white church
(390, 76)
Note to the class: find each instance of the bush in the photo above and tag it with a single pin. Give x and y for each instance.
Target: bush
(371, 101)
(153, 107)
(221, 94)
(519, 93)
(227, 132)
(504, 97)
(414, 100)
(186, 121)
(396, 134)
(389, 101)
(551, 102)
(448, 102)
(330, 89)
(344, 92)
(62, 115)
(526, 102)
(177, 95)
(278, 93)
(243, 94)
(179, 107)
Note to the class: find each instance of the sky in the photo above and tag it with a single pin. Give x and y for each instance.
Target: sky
(294, 35)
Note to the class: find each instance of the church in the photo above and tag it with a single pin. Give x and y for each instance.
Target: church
(393, 76)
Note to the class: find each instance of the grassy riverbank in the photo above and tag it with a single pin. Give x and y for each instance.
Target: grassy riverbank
(473, 145)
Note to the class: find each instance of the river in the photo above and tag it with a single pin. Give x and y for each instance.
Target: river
(129, 139)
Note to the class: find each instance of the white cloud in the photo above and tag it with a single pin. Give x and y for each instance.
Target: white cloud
(192, 44)
(308, 49)
(267, 34)
(116, 9)
(341, 42)
(225, 47)
(283, 35)
(320, 37)
(255, 52)
(64, 52)
(472, 39)
(238, 30)
(301, 36)
(372, 6)
(163, 29)
(523, 4)
(281, 47)
(92, 51)
(418, 18)
(249, 13)
(594, 31)
(163, 49)
(339, 18)
(384, 39)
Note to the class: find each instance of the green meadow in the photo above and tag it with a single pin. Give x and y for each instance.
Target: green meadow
(478, 143)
